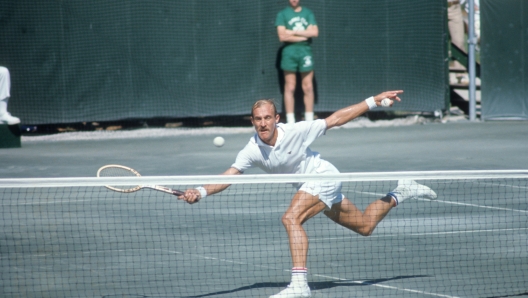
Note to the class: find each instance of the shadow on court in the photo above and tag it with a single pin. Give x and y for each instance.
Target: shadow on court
(322, 285)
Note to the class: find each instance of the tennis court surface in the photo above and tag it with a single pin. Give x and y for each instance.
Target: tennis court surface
(65, 237)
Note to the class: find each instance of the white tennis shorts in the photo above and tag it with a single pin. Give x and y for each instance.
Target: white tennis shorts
(329, 191)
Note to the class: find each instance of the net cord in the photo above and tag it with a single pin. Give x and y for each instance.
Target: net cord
(260, 178)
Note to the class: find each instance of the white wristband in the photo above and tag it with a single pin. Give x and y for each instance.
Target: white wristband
(203, 192)
(371, 102)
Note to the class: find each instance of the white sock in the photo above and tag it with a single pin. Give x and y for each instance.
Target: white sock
(3, 106)
(290, 117)
(308, 116)
(299, 275)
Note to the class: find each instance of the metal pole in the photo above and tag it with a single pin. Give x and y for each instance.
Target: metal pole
(472, 41)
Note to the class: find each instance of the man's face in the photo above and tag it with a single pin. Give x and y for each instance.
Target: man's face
(294, 3)
(265, 120)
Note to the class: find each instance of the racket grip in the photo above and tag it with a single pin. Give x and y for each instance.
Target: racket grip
(177, 192)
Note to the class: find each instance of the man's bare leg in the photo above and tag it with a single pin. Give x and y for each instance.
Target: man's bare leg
(290, 82)
(308, 91)
(348, 215)
(303, 207)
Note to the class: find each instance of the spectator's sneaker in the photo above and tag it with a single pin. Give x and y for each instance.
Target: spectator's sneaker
(297, 290)
(6, 118)
(409, 189)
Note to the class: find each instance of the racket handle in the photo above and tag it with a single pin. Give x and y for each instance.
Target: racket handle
(177, 192)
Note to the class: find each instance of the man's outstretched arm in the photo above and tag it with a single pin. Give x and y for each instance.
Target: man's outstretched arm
(193, 195)
(349, 113)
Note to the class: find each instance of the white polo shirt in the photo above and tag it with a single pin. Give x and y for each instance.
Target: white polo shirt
(291, 153)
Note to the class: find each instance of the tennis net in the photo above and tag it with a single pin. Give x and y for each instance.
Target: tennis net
(72, 237)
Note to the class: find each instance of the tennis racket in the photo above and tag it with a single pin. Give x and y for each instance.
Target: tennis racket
(122, 171)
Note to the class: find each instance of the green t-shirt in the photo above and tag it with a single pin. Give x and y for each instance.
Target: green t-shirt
(298, 21)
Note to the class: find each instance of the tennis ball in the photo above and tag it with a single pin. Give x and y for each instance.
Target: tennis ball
(386, 102)
(218, 141)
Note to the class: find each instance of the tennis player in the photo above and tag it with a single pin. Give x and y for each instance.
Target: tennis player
(279, 148)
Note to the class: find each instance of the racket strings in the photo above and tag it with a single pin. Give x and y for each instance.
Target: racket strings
(119, 171)
(116, 172)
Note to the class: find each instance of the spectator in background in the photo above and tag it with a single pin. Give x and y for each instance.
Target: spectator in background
(465, 6)
(455, 21)
(5, 87)
(296, 27)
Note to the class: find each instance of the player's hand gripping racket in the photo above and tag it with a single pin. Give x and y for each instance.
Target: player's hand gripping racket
(122, 171)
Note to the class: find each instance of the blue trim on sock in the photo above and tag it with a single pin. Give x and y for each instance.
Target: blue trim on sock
(395, 197)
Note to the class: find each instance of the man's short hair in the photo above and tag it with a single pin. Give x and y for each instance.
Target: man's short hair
(262, 102)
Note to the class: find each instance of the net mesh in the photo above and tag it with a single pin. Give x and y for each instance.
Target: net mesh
(75, 238)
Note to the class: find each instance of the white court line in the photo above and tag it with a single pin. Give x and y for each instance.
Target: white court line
(359, 122)
(313, 239)
(448, 202)
(478, 206)
(505, 185)
(63, 201)
(386, 286)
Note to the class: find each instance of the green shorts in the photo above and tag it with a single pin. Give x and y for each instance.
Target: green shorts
(297, 58)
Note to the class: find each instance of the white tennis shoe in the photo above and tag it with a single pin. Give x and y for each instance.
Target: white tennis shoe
(409, 189)
(294, 290)
(7, 118)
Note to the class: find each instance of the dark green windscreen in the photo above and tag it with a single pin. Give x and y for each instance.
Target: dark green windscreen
(504, 56)
(76, 61)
